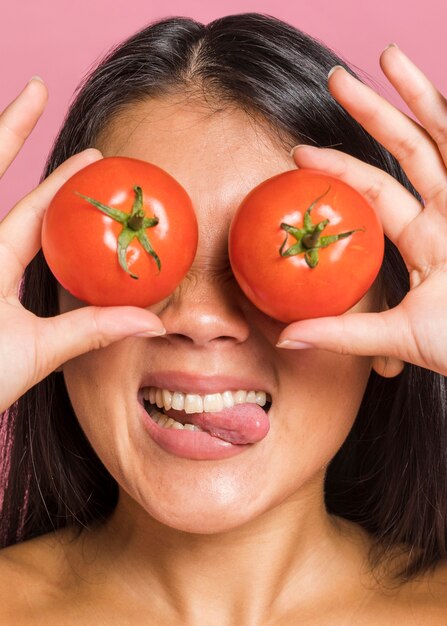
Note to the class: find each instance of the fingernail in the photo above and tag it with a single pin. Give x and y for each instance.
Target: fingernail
(36, 78)
(151, 333)
(299, 145)
(390, 45)
(294, 345)
(92, 151)
(335, 68)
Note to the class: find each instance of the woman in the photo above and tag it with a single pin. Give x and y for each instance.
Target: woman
(338, 515)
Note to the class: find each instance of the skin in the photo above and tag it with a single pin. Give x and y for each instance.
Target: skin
(177, 517)
(246, 540)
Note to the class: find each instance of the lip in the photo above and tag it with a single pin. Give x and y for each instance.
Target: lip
(189, 444)
(199, 383)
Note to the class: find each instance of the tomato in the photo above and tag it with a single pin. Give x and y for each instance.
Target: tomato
(304, 244)
(121, 231)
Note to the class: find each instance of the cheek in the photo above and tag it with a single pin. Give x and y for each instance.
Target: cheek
(92, 382)
(84, 388)
(324, 393)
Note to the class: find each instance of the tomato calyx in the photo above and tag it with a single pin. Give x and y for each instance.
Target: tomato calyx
(134, 225)
(309, 239)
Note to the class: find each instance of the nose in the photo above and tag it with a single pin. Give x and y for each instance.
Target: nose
(204, 312)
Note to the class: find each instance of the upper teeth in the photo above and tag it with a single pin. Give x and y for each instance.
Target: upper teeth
(195, 403)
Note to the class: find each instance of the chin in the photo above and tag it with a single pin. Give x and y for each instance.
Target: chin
(205, 516)
(205, 523)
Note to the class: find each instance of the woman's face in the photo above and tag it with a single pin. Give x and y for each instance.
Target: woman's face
(213, 329)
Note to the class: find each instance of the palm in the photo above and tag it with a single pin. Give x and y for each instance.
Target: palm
(22, 334)
(422, 312)
(420, 316)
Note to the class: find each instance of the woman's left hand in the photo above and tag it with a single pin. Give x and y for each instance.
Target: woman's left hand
(415, 330)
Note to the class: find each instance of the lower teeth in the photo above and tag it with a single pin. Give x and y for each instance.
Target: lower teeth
(165, 421)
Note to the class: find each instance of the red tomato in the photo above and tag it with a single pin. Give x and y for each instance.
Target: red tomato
(304, 244)
(136, 257)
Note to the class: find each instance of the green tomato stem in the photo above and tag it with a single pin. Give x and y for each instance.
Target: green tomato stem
(134, 225)
(308, 238)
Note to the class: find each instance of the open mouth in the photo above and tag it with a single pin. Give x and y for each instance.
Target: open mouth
(244, 422)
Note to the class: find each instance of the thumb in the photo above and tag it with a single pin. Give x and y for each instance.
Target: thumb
(365, 334)
(70, 334)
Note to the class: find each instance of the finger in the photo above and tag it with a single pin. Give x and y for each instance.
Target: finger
(395, 205)
(20, 230)
(413, 147)
(419, 93)
(68, 335)
(363, 334)
(18, 120)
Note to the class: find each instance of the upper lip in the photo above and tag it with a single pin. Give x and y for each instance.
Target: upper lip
(199, 383)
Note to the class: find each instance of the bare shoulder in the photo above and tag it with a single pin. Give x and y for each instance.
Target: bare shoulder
(419, 602)
(30, 570)
(428, 596)
(37, 554)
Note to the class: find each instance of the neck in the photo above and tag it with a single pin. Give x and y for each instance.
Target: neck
(295, 552)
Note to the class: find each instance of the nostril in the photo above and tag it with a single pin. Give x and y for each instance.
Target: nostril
(180, 337)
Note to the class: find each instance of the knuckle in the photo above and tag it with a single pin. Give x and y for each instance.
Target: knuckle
(97, 340)
(431, 101)
(416, 97)
(371, 115)
(406, 147)
(342, 349)
(437, 193)
(14, 132)
(439, 134)
(374, 190)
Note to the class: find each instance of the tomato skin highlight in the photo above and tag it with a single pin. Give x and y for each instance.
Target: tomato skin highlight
(79, 241)
(286, 288)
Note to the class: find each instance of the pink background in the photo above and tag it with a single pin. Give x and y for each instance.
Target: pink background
(61, 40)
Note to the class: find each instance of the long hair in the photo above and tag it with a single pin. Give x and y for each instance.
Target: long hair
(389, 475)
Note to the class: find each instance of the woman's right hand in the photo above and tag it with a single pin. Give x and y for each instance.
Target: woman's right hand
(32, 347)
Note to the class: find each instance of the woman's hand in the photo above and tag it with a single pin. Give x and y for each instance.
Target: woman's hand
(416, 330)
(32, 347)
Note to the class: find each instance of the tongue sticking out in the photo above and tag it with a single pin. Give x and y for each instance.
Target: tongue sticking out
(243, 423)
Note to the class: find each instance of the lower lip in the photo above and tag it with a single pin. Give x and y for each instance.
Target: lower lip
(190, 444)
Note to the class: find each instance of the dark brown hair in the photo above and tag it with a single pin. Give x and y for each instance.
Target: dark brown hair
(390, 474)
